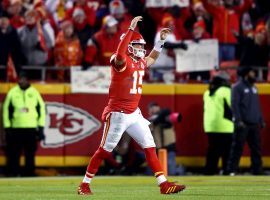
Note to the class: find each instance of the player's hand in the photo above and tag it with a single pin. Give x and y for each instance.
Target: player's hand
(164, 33)
(134, 22)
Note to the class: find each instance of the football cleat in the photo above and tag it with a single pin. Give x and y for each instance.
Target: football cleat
(170, 187)
(84, 189)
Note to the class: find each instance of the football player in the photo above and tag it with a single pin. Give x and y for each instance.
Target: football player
(122, 114)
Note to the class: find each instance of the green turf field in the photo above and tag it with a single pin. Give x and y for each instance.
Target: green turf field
(135, 187)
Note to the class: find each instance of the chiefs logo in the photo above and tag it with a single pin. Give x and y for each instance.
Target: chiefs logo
(66, 124)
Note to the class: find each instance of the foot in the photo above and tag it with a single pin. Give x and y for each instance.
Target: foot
(84, 189)
(170, 187)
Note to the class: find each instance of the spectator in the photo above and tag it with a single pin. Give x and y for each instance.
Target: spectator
(46, 20)
(35, 40)
(118, 11)
(163, 132)
(247, 120)
(103, 44)
(165, 63)
(14, 11)
(10, 46)
(88, 11)
(24, 119)
(82, 27)
(199, 14)
(226, 20)
(199, 33)
(255, 50)
(218, 123)
(57, 11)
(67, 51)
(180, 15)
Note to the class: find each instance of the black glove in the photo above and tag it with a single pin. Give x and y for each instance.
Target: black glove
(183, 46)
(40, 133)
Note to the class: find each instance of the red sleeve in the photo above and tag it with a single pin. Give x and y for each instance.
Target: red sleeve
(69, 13)
(91, 15)
(213, 10)
(244, 7)
(185, 13)
(90, 54)
(122, 48)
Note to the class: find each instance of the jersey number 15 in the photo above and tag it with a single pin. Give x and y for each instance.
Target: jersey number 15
(137, 82)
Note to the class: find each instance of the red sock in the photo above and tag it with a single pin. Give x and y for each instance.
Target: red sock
(95, 161)
(153, 162)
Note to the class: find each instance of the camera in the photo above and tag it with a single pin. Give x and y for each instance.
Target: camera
(163, 116)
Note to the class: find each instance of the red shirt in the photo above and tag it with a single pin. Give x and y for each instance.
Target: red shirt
(126, 87)
(100, 53)
(226, 20)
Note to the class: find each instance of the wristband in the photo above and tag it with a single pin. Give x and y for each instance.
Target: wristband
(159, 45)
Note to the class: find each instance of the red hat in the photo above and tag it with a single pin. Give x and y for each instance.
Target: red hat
(260, 28)
(200, 24)
(166, 19)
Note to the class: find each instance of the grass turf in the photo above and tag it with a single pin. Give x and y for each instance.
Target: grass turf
(135, 187)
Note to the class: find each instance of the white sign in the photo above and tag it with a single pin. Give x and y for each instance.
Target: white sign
(201, 56)
(166, 3)
(66, 124)
(94, 80)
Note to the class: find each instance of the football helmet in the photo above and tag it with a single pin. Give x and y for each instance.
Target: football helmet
(136, 39)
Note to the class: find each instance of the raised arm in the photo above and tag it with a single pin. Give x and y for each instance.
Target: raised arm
(212, 9)
(152, 57)
(243, 7)
(120, 56)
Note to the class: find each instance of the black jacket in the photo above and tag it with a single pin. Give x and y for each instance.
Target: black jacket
(245, 103)
(253, 54)
(10, 45)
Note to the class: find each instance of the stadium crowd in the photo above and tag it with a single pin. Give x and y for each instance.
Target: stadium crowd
(65, 33)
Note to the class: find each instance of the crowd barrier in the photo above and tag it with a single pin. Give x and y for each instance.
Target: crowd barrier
(74, 128)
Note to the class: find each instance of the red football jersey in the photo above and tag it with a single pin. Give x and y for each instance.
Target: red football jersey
(126, 87)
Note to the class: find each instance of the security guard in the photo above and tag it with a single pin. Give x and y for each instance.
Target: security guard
(247, 120)
(217, 122)
(24, 119)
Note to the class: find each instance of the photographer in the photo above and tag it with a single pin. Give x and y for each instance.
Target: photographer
(162, 120)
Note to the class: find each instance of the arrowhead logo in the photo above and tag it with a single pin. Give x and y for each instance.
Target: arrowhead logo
(66, 124)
